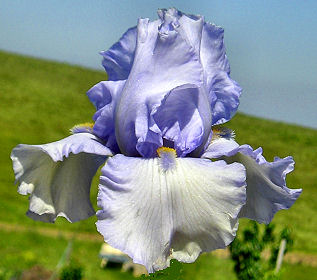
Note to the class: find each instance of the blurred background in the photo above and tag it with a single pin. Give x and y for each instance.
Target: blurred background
(49, 59)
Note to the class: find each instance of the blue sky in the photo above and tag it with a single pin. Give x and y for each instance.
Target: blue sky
(271, 45)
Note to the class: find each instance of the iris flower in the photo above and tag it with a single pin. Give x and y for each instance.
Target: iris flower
(173, 183)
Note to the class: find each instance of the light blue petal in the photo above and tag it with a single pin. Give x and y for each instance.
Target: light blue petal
(104, 96)
(184, 118)
(188, 26)
(191, 28)
(224, 97)
(58, 176)
(163, 61)
(118, 60)
(221, 147)
(156, 58)
(156, 214)
(207, 40)
(212, 49)
(266, 185)
(224, 92)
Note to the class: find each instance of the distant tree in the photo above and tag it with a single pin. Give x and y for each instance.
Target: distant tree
(246, 252)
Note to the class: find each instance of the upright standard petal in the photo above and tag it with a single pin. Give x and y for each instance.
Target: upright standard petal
(163, 61)
(104, 96)
(224, 96)
(224, 92)
(188, 26)
(118, 60)
(163, 208)
(212, 49)
(184, 118)
(207, 40)
(266, 186)
(58, 176)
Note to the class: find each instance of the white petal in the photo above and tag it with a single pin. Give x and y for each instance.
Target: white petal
(266, 185)
(58, 176)
(154, 214)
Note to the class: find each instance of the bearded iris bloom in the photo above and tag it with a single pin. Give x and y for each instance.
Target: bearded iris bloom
(173, 183)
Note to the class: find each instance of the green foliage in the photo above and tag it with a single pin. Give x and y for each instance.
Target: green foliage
(72, 271)
(246, 252)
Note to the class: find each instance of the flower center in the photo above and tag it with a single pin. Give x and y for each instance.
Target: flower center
(167, 158)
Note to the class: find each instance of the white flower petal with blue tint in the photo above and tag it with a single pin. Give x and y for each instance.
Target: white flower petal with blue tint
(58, 176)
(266, 186)
(220, 147)
(156, 209)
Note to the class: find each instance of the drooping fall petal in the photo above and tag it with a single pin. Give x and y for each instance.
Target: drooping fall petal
(155, 210)
(267, 192)
(58, 176)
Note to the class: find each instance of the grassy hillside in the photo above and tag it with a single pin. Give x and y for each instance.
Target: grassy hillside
(40, 101)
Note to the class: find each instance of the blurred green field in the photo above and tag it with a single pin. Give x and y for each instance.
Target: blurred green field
(20, 251)
(41, 100)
